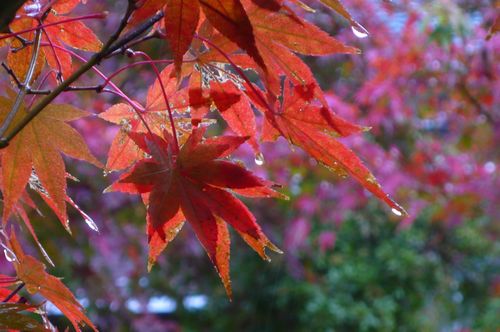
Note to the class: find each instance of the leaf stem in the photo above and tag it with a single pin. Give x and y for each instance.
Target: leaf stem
(164, 93)
(42, 26)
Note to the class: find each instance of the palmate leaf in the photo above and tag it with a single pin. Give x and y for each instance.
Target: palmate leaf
(312, 127)
(37, 280)
(74, 34)
(192, 184)
(181, 20)
(38, 147)
(209, 88)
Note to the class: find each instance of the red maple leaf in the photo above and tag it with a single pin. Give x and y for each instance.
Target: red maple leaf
(313, 127)
(182, 17)
(74, 34)
(37, 280)
(193, 184)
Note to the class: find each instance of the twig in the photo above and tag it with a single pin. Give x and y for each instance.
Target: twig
(24, 87)
(95, 88)
(12, 74)
(121, 50)
(134, 34)
(164, 93)
(14, 292)
(473, 100)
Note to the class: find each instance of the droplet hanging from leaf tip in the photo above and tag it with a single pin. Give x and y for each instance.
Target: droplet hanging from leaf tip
(259, 159)
(359, 31)
(66, 226)
(397, 212)
(9, 255)
(91, 224)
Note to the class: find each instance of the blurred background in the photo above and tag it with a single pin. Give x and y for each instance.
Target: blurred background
(428, 85)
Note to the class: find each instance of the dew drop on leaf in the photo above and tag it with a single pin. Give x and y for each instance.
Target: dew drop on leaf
(9, 255)
(259, 159)
(91, 224)
(359, 31)
(33, 9)
(397, 212)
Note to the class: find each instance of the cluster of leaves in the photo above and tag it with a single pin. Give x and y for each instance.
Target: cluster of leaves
(180, 175)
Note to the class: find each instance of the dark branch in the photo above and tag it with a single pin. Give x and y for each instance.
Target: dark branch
(14, 292)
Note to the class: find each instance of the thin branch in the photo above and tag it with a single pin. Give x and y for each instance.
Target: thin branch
(95, 88)
(134, 34)
(12, 74)
(130, 65)
(14, 292)
(121, 50)
(25, 86)
(473, 100)
(138, 109)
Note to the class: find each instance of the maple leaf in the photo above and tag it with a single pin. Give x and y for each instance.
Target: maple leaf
(210, 87)
(311, 127)
(233, 105)
(279, 34)
(37, 148)
(192, 184)
(123, 151)
(74, 34)
(37, 280)
(13, 313)
(182, 17)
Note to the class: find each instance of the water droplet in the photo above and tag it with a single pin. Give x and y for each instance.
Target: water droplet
(33, 9)
(9, 255)
(359, 31)
(66, 226)
(259, 159)
(397, 212)
(92, 225)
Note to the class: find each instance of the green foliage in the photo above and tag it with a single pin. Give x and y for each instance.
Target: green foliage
(377, 278)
